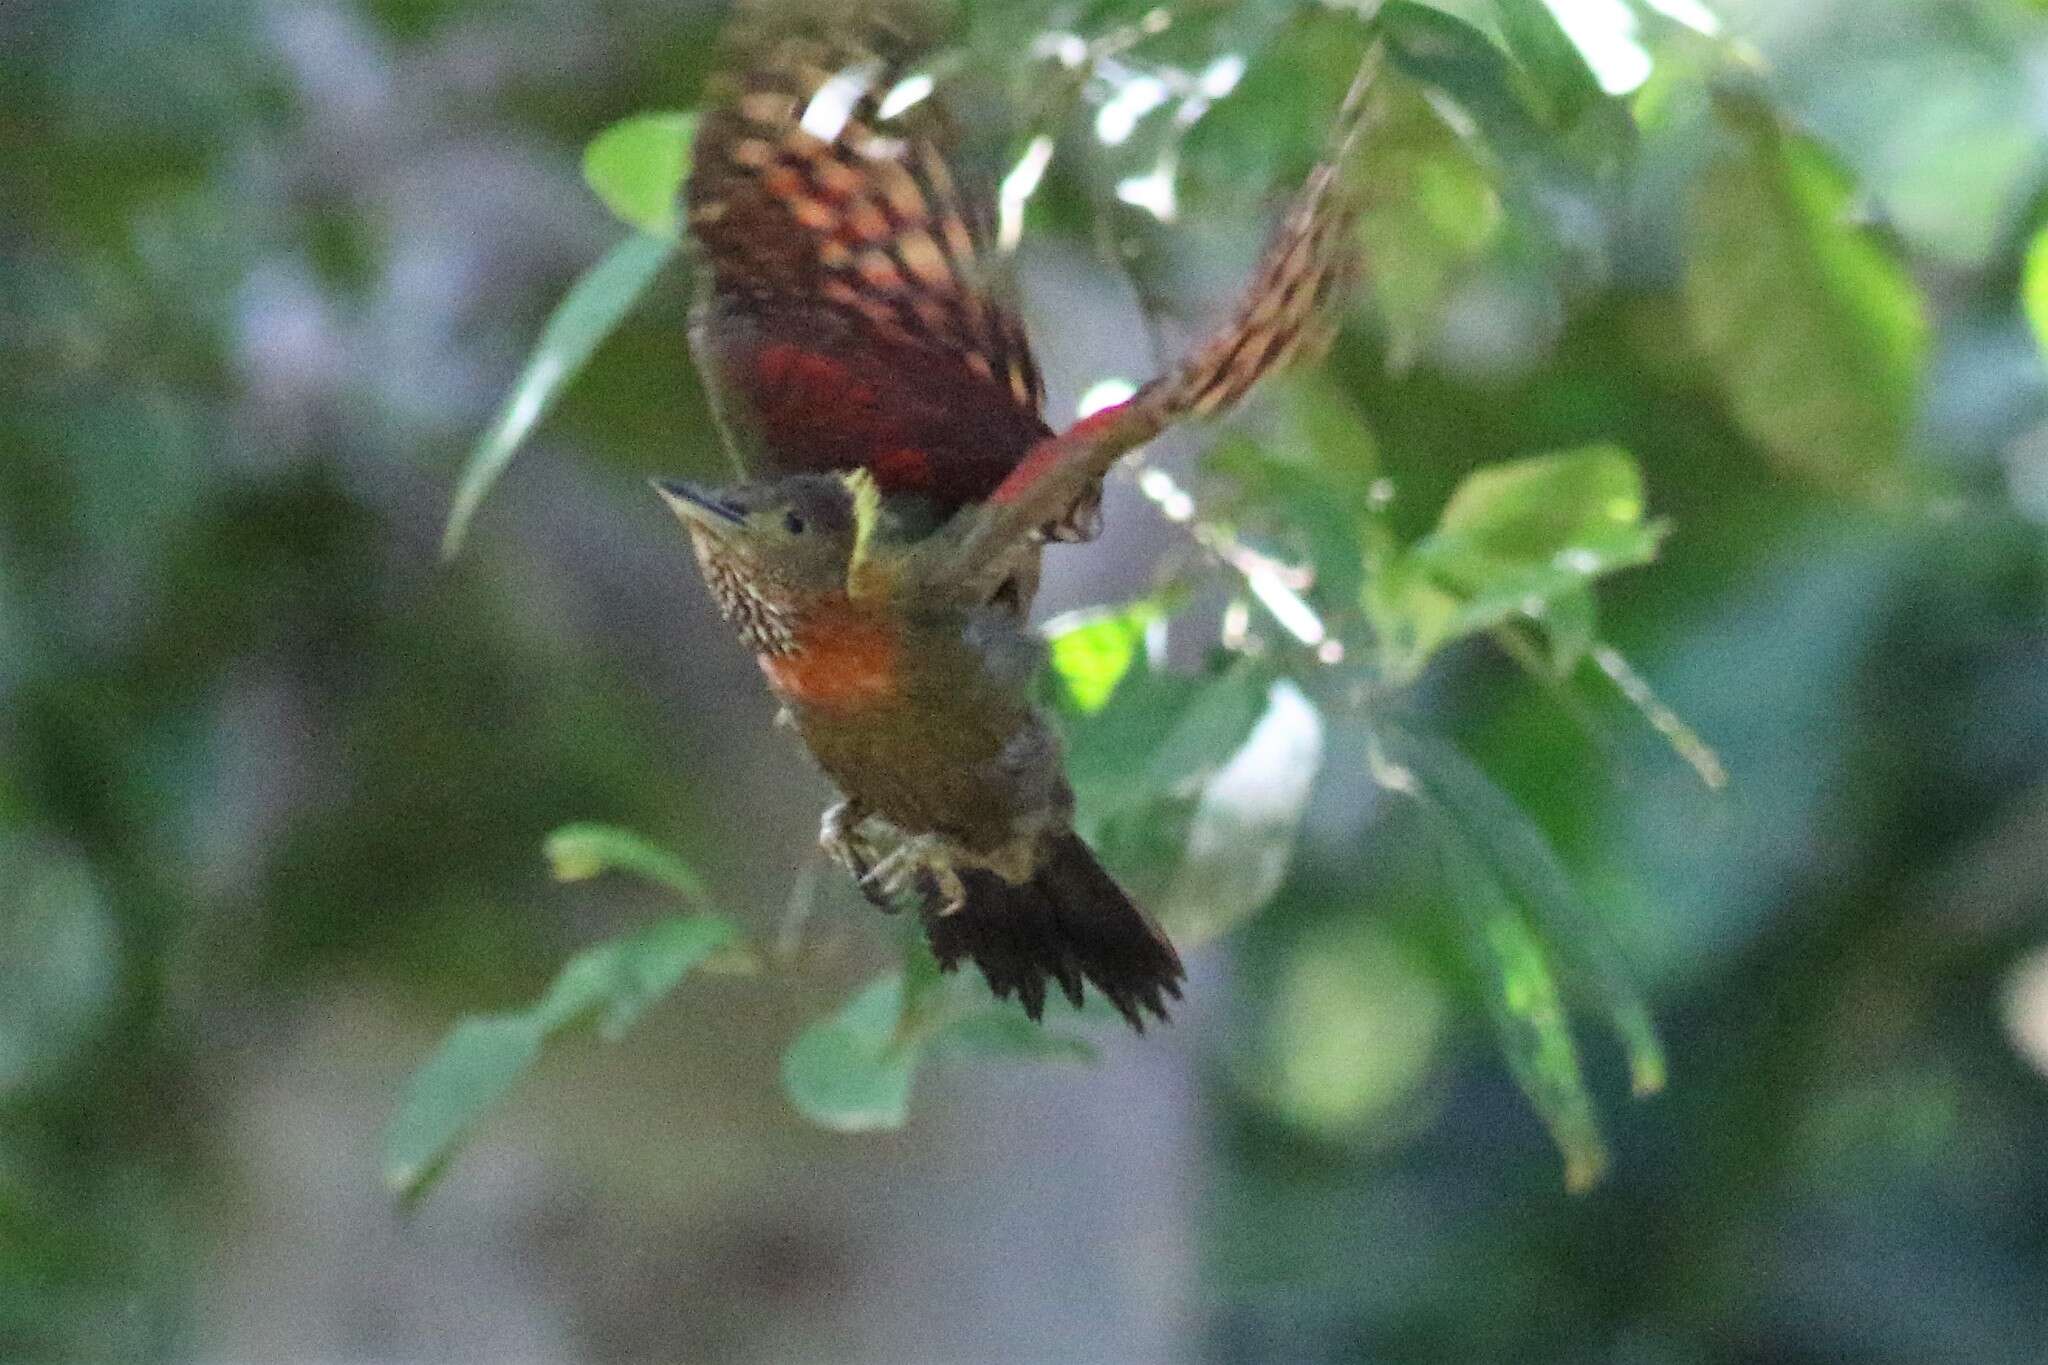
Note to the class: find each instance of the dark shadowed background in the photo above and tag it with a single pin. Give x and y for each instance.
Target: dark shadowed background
(274, 780)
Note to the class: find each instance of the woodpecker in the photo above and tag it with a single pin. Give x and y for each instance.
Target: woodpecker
(880, 553)
(917, 705)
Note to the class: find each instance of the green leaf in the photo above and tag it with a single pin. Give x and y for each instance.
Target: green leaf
(1521, 538)
(476, 1065)
(2034, 288)
(1458, 60)
(619, 980)
(1521, 856)
(1207, 733)
(60, 958)
(1092, 650)
(484, 1055)
(851, 1071)
(1304, 494)
(580, 852)
(1527, 1010)
(1814, 330)
(637, 167)
(1571, 623)
(1001, 1031)
(590, 312)
(1598, 131)
(1240, 841)
(1525, 929)
(1159, 735)
(1430, 216)
(1193, 789)
(1562, 79)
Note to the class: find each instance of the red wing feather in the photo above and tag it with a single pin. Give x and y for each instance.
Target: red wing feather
(853, 310)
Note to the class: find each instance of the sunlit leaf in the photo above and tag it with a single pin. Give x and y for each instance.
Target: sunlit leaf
(1522, 538)
(592, 309)
(1583, 506)
(1091, 651)
(1536, 507)
(1814, 330)
(637, 167)
(852, 1071)
(612, 983)
(2034, 287)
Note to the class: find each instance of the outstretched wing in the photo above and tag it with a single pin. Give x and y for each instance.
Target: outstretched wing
(854, 314)
(1289, 308)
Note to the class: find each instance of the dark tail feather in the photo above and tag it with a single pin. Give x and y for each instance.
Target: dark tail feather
(1070, 923)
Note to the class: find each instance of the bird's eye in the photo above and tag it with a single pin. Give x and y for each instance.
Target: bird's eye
(792, 523)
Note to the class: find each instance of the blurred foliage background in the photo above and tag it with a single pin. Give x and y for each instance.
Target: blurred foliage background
(275, 780)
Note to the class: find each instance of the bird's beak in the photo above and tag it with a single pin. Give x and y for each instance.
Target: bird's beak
(699, 506)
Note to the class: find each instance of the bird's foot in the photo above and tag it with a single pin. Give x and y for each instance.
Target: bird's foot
(920, 866)
(840, 834)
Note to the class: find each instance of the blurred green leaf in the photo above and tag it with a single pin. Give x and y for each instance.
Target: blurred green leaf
(579, 852)
(1560, 75)
(1304, 494)
(1521, 538)
(1595, 130)
(1240, 840)
(1003, 1032)
(1453, 57)
(594, 306)
(1350, 1029)
(1522, 859)
(637, 167)
(60, 958)
(1814, 330)
(2034, 287)
(1206, 734)
(1092, 650)
(1524, 926)
(1520, 991)
(1158, 735)
(851, 1071)
(1527, 1009)
(1570, 622)
(475, 1067)
(1548, 505)
(480, 1060)
(1429, 213)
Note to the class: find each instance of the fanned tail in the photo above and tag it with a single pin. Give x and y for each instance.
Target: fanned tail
(1070, 924)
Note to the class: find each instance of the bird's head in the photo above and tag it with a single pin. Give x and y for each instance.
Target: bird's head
(776, 553)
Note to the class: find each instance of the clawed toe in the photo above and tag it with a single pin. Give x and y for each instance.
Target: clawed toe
(918, 868)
